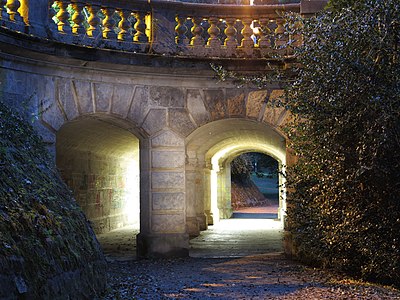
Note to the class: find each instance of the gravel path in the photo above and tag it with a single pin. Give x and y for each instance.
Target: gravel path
(235, 259)
(265, 276)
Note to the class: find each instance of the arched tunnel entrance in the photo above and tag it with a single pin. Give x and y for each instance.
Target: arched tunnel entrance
(99, 160)
(210, 151)
(254, 186)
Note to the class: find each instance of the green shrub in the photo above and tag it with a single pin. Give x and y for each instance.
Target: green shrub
(344, 208)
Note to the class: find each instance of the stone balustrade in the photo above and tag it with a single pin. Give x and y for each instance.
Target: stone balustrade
(155, 27)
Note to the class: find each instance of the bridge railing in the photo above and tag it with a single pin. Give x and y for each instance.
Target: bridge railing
(156, 27)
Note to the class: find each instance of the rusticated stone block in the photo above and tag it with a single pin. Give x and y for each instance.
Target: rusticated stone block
(167, 138)
(83, 92)
(273, 113)
(167, 180)
(140, 104)
(103, 94)
(195, 105)
(53, 116)
(168, 201)
(255, 102)
(167, 96)
(66, 98)
(236, 102)
(122, 98)
(168, 159)
(179, 120)
(171, 223)
(216, 104)
(155, 120)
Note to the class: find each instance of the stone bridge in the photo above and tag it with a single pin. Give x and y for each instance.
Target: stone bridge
(123, 94)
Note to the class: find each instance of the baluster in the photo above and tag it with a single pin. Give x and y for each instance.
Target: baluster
(78, 18)
(180, 30)
(108, 23)
(197, 30)
(213, 31)
(247, 41)
(93, 21)
(265, 39)
(280, 39)
(124, 25)
(4, 15)
(140, 27)
(63, 16)
(13, 14)
(230, 32)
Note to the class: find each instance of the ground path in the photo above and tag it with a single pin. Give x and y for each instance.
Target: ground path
(237, 259)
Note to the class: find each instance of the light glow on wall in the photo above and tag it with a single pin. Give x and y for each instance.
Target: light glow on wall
(132, 193)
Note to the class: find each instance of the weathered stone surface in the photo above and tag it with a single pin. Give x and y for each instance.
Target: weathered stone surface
(216, 104)
(168, 201)
(195, 105)
(53, 116)
(66, 98)
(122, 98)
(179, 120)
(255, 102)
(140, 105)
(167, 138)
(272, 113)
(168, 159)
(103, 93)
(83, 91)
(167, 180)
(171, 223)
(236, 102)
(155, 120)
(167, 96)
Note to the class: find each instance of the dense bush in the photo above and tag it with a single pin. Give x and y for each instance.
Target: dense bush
(344, 208)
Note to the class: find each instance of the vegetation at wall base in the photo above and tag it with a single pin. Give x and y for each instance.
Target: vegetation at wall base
(47, 247)
(344, 204)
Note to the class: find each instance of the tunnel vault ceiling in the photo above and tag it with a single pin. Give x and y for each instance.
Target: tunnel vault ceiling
(228, 138)
(97, 136)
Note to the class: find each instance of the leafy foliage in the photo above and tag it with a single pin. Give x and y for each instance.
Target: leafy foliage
(43, 232)
(241, 168)
(344, 207)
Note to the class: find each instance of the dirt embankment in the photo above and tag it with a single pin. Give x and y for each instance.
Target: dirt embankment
(247, 195)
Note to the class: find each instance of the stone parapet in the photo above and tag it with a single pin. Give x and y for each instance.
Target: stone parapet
(166, 28)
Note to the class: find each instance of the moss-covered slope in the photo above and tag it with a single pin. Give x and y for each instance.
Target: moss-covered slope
(47, 248)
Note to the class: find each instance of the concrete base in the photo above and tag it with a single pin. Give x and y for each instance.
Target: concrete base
(202, 221)
(192, 225)
(210, 217)
(162, 245)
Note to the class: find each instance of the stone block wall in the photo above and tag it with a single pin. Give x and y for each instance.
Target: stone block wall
(101, 186)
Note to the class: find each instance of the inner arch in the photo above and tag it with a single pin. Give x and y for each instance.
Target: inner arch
(99, 160)
(214, 145)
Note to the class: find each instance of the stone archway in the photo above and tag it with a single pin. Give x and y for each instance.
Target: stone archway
(100, 162)
(209, 149)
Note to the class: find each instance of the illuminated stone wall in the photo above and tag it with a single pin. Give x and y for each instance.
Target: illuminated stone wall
(101, 186)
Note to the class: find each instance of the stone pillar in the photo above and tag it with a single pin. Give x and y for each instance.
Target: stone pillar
(200, 196)
(195, 208)
(311, 7)
(164, 233)
(191, 215)
(207, 194)
(224, 197)
(290, 248)
(38, 15)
